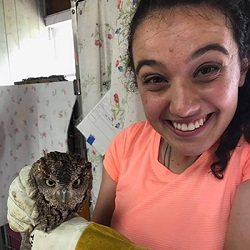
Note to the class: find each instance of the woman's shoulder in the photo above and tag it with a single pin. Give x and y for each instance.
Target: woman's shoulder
(241, 153)
(241, 157)
(243, 147)
(135, 133)
(138, 129)
(126, 145)
(140, 125)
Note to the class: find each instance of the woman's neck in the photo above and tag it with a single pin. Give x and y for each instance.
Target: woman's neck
(173, 160)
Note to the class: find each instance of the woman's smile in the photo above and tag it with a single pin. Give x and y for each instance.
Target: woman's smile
(190, 130)
(191, 126)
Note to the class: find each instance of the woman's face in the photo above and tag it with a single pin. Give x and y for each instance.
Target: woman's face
(188, 73)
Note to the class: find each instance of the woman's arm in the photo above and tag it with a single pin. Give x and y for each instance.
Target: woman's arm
(106, 200)
(238, 235)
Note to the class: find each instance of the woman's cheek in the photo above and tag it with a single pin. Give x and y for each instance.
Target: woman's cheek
(153, 108)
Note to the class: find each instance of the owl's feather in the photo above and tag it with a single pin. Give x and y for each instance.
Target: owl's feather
(63, 182)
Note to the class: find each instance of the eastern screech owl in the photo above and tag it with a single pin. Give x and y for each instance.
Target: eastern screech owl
(63, 183)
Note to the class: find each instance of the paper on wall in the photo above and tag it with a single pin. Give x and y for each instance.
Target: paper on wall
(97, 125)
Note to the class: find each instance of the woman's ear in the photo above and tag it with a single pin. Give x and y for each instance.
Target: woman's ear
(244, 69)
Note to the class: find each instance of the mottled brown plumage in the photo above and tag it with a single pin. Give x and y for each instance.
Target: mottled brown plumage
(63, 182)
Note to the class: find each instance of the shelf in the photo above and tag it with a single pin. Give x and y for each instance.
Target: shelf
(55, 6)
(58, 17)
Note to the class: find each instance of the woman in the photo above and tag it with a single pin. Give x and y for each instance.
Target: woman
(170, 182)
(173, 181)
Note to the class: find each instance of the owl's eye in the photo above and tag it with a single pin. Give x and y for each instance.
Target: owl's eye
(76, 183)
(50, 183)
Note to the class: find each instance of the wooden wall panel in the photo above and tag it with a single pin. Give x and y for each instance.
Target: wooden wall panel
(26, 48)
(12, 37)
(4, 59)
(25, 26)
(24, 41)
(34, 16)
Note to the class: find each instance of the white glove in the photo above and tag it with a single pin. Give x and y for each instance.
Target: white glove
(64, 237)
(22, 211)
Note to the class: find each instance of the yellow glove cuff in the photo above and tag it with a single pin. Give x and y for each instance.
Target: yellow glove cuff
(97, 236)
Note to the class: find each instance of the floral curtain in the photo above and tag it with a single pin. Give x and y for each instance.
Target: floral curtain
(34, 119)
(102, 46)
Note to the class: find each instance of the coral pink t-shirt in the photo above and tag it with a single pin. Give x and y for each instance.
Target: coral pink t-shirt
(158, 209)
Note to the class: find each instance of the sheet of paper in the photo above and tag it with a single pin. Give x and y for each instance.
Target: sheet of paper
(97, 125)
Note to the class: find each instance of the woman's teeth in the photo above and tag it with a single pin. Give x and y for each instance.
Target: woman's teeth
(190, 126)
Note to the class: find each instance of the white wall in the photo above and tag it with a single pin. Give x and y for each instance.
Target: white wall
(27, 47)
(61, 36)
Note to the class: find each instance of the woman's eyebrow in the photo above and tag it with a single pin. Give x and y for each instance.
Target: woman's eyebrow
(145, 62)
(203, 50)
(199, 52)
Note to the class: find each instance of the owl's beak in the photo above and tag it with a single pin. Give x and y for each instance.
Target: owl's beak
(63, 195)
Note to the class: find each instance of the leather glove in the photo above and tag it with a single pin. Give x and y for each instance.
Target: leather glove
(64, 236)
(22, 211)
(79, 234)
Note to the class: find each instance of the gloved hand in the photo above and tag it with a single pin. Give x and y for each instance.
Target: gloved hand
(22, 211)
(64, 236)
(79, 234)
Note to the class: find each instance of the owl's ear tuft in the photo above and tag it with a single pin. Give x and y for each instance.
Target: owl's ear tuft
(88, 165)
(37, 169)
(32, 175)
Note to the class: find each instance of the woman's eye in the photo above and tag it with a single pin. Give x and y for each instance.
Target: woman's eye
(206, 70)
(50, 183)
(210, 71)
(154, 80)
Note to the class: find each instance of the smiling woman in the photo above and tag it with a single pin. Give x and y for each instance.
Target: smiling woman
(190, 60)
(181, 179)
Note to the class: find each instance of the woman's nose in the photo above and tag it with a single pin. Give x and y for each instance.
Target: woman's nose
(184, 100)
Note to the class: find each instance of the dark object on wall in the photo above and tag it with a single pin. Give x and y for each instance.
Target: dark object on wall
(42, 79)
(55, 6)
